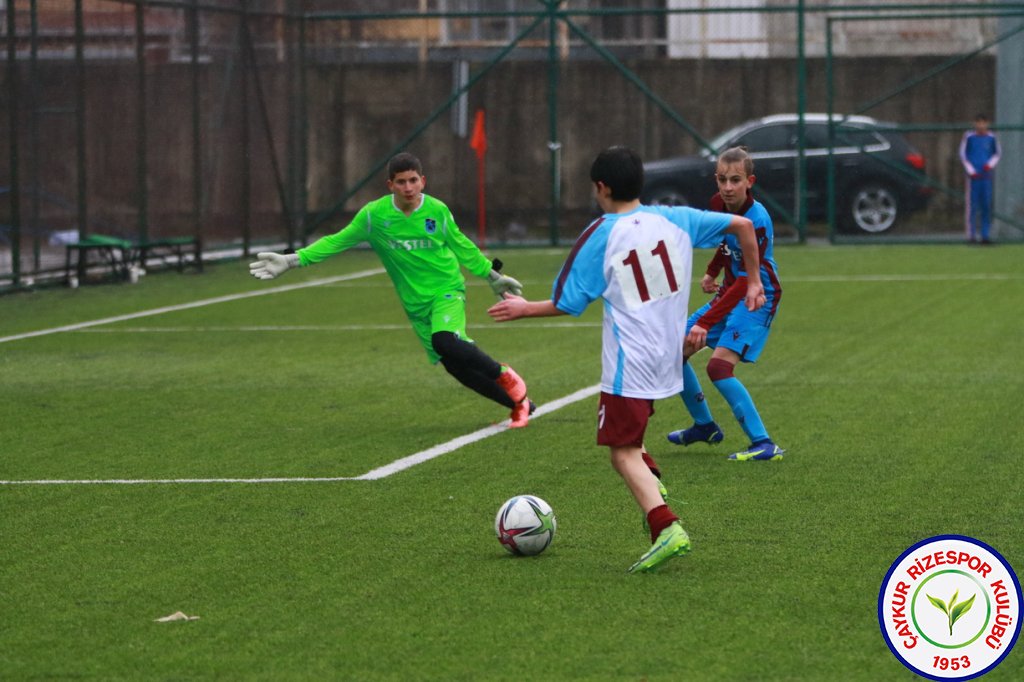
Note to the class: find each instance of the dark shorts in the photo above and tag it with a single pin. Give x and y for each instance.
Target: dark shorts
(622, 422)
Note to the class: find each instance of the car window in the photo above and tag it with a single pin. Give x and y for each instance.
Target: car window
(815, 136)
(847, 137)
(770, 138)
(724, 140)
(856, 137)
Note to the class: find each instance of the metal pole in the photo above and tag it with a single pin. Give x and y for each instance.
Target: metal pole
(12, 107)
(141, 174)
(291, 142)
(303, 199)
(246, 147)
(33, 124)
(83, 186)
(829, 110)
(554, 146)
(197, 148)
(801, 108)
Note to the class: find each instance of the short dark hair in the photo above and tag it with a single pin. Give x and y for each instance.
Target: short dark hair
(401, 162)
(622, 170)
(981, 116)
(738, 155)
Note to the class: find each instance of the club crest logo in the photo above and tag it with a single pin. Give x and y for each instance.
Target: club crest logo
(430, 225)
(949, 608)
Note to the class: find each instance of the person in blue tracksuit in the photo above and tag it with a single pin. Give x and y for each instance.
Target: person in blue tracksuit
(979, 154)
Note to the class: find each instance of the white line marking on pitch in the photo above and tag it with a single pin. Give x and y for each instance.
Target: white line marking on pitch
(376, 271)
(193, 304)
(325, 328)
(374, 474)
(900, 278)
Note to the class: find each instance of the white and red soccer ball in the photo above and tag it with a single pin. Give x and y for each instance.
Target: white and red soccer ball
(525, 525)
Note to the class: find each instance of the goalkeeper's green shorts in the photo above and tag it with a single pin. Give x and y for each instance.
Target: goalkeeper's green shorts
(446, 313)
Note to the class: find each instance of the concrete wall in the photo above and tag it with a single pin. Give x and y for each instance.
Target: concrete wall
(357, 114)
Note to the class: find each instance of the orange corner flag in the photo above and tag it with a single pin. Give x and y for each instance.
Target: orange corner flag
(479, 140)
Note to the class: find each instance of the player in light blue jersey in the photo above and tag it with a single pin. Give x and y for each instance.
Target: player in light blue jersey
(638, 262)
(979, 154)
(724, 324)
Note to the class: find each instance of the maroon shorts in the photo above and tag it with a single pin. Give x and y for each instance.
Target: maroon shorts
(622, 421)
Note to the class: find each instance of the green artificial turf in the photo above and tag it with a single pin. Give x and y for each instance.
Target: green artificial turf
(893, 378)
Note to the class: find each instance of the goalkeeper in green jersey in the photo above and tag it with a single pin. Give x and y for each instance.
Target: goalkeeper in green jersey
(421, 248)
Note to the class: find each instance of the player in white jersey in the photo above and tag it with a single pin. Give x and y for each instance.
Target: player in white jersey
(638, 260)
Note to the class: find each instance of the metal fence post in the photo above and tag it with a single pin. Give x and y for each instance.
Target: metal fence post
(12, 107)
(83, 185)
(141, 173)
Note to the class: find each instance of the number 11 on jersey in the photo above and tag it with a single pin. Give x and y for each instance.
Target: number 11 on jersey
(647, 274)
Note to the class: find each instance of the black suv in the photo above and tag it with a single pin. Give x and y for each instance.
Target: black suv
(879, 176)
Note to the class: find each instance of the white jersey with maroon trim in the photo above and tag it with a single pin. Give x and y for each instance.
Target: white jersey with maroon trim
(640, 264)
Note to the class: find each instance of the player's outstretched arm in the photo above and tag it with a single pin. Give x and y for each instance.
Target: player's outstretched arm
(271, 265)
(513, 307)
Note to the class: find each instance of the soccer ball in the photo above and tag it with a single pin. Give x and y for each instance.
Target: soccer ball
(525, 525)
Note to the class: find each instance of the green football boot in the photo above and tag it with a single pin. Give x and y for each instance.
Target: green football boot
(672, 542)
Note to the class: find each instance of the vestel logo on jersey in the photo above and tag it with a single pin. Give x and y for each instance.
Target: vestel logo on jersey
(410, 244)
(949, 608)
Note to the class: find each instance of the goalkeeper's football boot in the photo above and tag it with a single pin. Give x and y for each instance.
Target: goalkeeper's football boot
(521, 414)
(512, 384)
(709, 433)
(765, 451)
(672, 542)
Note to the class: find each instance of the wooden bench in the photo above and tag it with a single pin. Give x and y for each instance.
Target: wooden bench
(121, 255)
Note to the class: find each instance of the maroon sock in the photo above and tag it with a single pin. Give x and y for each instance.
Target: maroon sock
(651, 464)
(659, 519)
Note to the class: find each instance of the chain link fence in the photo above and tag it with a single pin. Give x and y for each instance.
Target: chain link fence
(249, 122)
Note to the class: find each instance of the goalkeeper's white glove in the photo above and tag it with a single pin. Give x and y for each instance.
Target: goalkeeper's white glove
(503, 284)
(270, 265)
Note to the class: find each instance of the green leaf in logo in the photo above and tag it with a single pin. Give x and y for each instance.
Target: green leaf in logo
(954, 611)
(959, 610)
(938, 603)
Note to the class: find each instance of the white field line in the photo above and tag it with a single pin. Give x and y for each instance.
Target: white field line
(376, 271)
(328, 328)
(193, 304)
(395, 467)
(840, 279)
(444, 448)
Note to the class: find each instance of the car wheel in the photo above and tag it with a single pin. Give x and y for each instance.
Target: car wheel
(871, 208)
(666, 196)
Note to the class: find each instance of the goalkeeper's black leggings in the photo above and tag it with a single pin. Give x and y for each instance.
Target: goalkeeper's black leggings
(472, 367)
